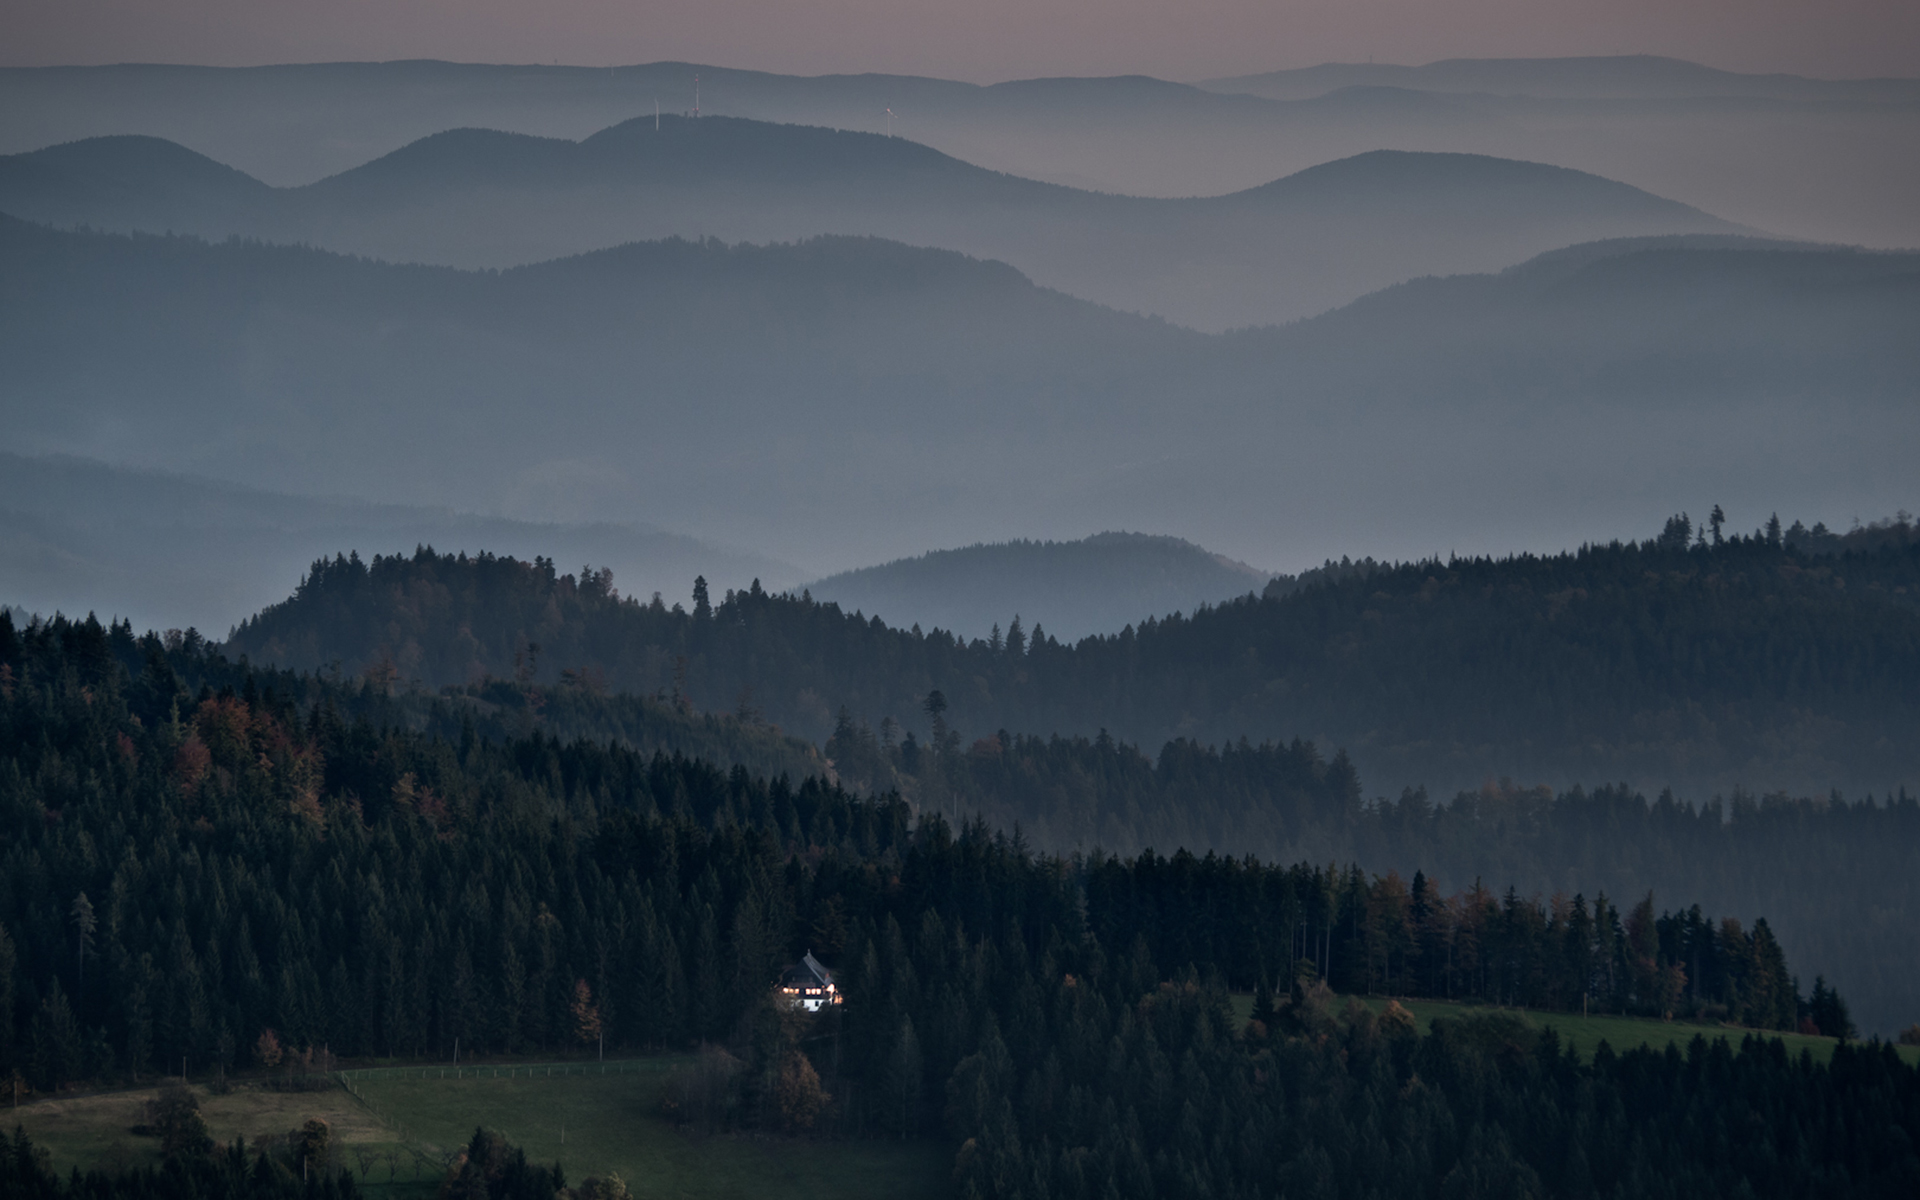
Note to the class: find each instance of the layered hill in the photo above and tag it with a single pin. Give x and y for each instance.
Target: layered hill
(1603, 77)
(1809, 158)
(1751, 663)
(847, 401)
(1070, 589)
(478, 198)
(1741, 674)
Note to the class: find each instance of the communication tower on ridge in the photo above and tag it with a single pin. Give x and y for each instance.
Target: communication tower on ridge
(696, 95)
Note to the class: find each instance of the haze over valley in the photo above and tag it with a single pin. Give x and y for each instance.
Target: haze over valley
(906, 397)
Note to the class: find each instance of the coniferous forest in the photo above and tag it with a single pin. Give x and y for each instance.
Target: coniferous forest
(1728, 659)
(200, 854)
(1683, 660)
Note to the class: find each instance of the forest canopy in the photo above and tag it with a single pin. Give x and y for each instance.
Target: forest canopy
(1777, 660)
(255, 858)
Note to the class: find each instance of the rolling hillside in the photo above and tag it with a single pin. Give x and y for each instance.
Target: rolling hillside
(477, 198)
(1616, 77)
(1094, 585)
(846, 401)
(1808, 158)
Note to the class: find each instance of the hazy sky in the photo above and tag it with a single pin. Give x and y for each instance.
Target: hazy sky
(982, 40)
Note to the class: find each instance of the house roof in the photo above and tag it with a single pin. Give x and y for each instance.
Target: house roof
(807, 973)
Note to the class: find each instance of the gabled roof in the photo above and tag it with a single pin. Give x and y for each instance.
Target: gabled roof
(807, 973)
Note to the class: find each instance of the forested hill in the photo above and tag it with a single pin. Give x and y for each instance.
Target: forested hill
(175, 550)
(1094, 585)
(1772, 669)
(1755, 661)
(193, 867)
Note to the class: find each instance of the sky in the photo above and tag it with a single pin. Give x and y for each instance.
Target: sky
(978, 40)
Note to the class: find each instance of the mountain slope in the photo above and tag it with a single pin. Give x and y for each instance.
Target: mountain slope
(479, 198)
(1071, 589)
(847, 401)
(103, 182)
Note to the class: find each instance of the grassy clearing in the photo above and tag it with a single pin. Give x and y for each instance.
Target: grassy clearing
(96, 1130)
(591, 1124)
(594, 1124)
(1587, 1032)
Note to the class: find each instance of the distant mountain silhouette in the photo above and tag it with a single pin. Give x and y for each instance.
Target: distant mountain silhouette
(848, 401)
(1093, 585)
(293, 124)
(478, 198)
(1614, 77)
(169, 550)
(1798, 157)
(102, 181)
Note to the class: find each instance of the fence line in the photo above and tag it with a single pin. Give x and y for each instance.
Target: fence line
(552, 1070)
(562, 1070)
(399, 1129)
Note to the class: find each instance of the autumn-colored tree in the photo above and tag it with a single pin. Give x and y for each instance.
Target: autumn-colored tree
(798, 1094)
(316, 1137)
(267, 1049)
(1396, 1021)
(191, 763)
(586, 1014)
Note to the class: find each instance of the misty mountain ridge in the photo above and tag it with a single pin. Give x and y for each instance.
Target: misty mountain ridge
(1728, 366)
(477, 198)
(1070, 589)
(1819, 159)
(1608, 77)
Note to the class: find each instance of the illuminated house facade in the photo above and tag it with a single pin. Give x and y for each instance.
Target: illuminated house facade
(806, 984)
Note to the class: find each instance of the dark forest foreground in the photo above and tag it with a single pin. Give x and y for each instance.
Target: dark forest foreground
(207, 859)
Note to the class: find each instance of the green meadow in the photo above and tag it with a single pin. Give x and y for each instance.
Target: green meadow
(400, 1126)
(1586, 1032)
(596, 1123)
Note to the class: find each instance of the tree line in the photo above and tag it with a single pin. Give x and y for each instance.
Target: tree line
(1831, 872)
(1776, 659)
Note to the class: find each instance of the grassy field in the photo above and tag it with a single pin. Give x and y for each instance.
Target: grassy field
(1621, 1033)
(594, 1123)
(397, 1134)
(96, 1130)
